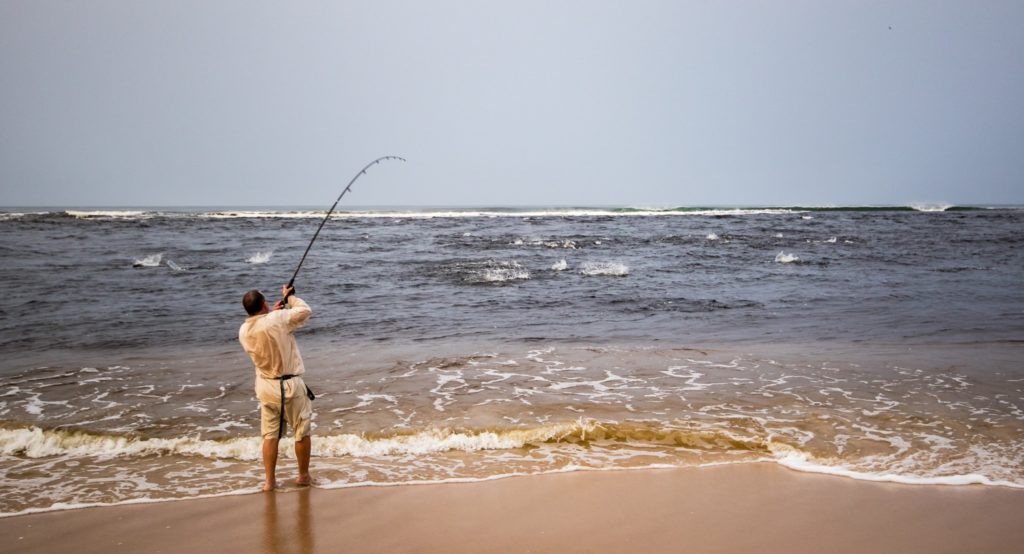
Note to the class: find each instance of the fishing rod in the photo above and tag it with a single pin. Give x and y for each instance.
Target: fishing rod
(328, 216)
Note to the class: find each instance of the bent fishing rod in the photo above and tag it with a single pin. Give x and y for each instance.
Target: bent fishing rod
(328, 216)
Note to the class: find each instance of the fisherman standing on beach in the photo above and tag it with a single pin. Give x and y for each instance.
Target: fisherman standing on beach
(268, 337)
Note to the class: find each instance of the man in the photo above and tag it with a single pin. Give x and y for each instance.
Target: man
(268, 337)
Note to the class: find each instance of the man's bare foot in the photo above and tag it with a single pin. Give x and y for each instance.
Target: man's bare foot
(304, 480)
(269, 486)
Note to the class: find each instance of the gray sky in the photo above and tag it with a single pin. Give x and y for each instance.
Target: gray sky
(514, 103)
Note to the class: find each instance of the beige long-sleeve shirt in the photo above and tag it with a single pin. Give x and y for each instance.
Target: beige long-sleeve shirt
(269, 340)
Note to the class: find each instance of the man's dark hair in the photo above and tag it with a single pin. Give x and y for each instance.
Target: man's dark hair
(253, 302)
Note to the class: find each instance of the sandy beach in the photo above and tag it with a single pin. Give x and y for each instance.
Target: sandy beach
(737, 508)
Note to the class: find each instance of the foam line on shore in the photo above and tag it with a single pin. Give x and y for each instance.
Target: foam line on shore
(35, 443)
(799, 461)
(792, 460)
(63, 506)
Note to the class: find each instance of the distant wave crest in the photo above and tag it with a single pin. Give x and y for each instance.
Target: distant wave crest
(431, 213)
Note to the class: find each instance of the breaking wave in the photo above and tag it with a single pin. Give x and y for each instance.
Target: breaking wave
(35, 442)
(109, 214)
(923, 207)
(681, 444)
(431, 213)
(614, 269)
(486, 272)
(783, 258)
(148, 261)
(510, 272)
(5, 216)
(260, 257)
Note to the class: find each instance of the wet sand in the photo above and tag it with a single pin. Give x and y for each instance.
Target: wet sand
(738, 508)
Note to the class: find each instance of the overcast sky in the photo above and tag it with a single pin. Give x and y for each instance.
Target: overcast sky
(639, 103)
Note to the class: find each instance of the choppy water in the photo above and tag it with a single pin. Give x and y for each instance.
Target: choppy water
(472, 344)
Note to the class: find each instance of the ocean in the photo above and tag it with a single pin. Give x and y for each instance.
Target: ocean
(464, 344)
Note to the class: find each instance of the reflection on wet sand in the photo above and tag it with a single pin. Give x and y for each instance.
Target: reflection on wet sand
(285, 532)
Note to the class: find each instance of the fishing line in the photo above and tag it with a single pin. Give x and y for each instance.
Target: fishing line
(329, 212)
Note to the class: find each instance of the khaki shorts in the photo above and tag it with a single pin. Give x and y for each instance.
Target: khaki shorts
(297, 413)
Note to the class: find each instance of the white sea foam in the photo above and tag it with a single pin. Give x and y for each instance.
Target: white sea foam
(367, 400)
(792, 458)
(34, 442)
(570, 244)
(4, 216)
(399, 214)
(784, 258)
(614, 269)
(260, 257)
(401, 459)
(361, 481)
(243, 214)
(149, 261)
(108, 214)
(500, 275)
(470, 213)
(437, 440)
(560, 265)
(931, 207)
(831, 240)
(62, 506)
(691, 377)
(323, 483)
(500, 272)
(33, 405)
(711, 236)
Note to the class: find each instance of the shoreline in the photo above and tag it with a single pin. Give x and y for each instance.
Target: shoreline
(286, 485)
(735, 507)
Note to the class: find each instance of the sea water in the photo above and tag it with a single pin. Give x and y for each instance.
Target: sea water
(454, 344)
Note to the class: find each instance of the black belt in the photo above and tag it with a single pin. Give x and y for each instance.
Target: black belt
(280, 419)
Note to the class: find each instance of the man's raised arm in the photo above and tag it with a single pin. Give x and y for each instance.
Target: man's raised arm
(298, 310)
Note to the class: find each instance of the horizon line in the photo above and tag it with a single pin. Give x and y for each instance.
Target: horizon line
(637, 206)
